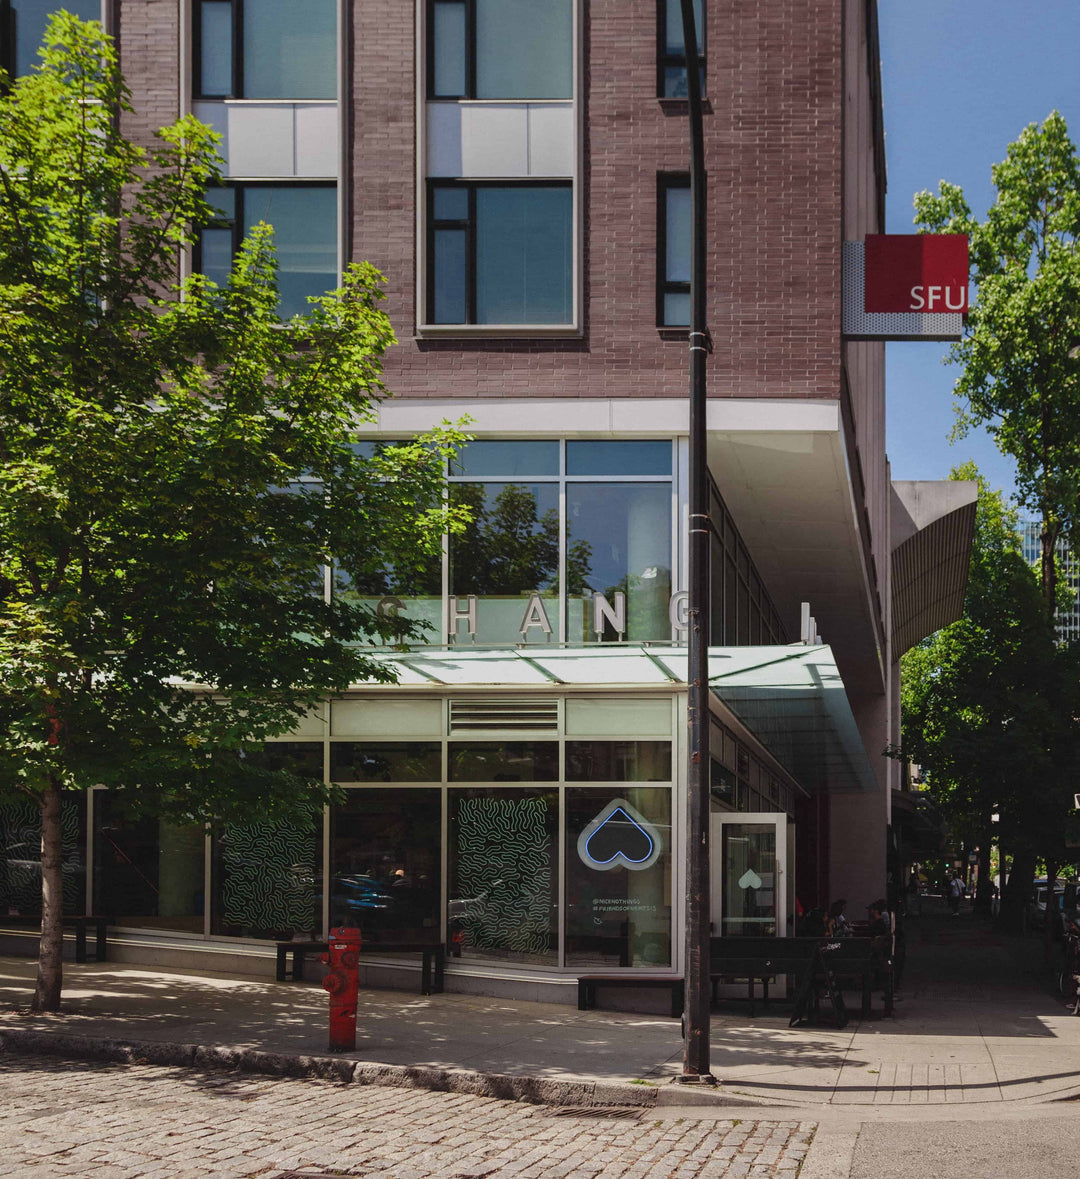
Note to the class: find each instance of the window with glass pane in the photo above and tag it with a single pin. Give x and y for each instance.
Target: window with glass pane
(673, 251)
(618, 458)
(618, 761)
(748, 857)
(147, 872)
(266, 881)
(500, 254)
(506, 458)
(671, 56)
(26, 21)
(214, 38)
(618, 914)
(503, 875)
(509, 49)
(385, 863)
(509, 552)
(619, 542)
(20, 862)
(503, 761)
(266, 49)
(386, 761)
(304, 218)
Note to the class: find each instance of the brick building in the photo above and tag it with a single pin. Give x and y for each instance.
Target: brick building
(517, 170)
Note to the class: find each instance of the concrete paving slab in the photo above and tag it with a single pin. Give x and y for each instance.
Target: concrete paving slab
(977, 1026)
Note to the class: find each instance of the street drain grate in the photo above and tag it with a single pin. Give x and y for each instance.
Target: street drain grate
(312, 1175)
(628, 1112)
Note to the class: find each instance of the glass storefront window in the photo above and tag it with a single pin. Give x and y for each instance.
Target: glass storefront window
(303, 758)
(385, 863)
(20, 865)
(603, 457)
(503, 889)
(386, 761)
(618, 876)
(508, 552)
(618, 761)
(147, 872)
(748, 855)
(619, 542)
(266, 881)
(504, 761)
(506, 459)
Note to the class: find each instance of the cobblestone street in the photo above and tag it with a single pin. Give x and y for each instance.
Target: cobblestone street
(98, 1121)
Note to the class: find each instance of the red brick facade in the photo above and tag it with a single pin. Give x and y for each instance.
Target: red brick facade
(774, 154)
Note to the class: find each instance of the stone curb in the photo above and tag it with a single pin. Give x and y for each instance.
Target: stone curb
(535, 1090)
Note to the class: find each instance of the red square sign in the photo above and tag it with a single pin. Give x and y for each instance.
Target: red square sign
(922, 272)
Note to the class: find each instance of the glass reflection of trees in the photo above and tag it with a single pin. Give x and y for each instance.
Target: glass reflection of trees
(512, 545)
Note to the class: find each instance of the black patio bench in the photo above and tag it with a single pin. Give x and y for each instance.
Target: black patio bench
(587, 984)
(432, 969)
(81, 922)
(758, 960)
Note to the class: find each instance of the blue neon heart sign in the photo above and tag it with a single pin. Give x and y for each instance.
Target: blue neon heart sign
(619, 837)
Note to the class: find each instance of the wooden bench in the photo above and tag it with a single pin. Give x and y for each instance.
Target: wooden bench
(432, 970)
(81, 922)
(758, 959)
(587, 984)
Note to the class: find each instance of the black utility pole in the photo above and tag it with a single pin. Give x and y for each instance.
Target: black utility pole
(696, 1016)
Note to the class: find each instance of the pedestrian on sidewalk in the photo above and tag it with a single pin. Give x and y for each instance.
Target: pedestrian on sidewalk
(956, 892)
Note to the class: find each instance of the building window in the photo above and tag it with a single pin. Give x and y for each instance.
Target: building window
(554, 527)
(265, 49)
(22, 29)
(500, 49)
(304, 217)
(500, 253)
(673, 250)
(671, 48)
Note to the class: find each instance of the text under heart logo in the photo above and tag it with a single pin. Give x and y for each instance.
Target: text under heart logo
(619, 837)
(749, 879)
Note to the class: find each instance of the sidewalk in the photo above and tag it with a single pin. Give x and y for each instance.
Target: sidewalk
(975, 1024)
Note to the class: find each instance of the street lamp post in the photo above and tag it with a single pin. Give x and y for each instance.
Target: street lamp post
(696, 957)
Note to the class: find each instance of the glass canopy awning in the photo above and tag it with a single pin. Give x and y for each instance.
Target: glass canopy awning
(790, 697)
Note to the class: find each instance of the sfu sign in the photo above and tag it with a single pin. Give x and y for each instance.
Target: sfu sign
(905, 287)
(914, 272)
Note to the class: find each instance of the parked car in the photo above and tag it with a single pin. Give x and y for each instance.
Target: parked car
(1035, 913)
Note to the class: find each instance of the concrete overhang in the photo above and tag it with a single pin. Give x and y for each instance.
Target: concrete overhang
(933, 523)
(781, 466)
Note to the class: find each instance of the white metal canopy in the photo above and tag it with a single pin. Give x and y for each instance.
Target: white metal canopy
(791, 697)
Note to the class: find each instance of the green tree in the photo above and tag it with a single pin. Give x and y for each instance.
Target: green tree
(989, 705)
(1018, 377)
(176, 473)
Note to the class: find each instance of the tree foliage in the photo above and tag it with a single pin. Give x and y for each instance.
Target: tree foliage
(176, 472)
(989, 703)
(1018, 378)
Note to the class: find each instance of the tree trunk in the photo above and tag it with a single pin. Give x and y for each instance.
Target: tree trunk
(985, 886)
(1048, 567)
(1017, 891)
(50, 972)
(1051, 918)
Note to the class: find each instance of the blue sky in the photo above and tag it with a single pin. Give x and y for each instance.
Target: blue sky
(961, 80)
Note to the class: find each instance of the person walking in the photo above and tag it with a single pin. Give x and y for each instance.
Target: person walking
(956, 892)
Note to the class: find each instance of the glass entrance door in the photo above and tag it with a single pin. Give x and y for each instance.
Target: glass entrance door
(750, 874)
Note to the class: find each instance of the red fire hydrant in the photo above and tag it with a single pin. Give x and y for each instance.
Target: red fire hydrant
(343, 983)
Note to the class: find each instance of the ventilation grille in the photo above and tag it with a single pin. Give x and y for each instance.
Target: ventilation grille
(504, 715)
